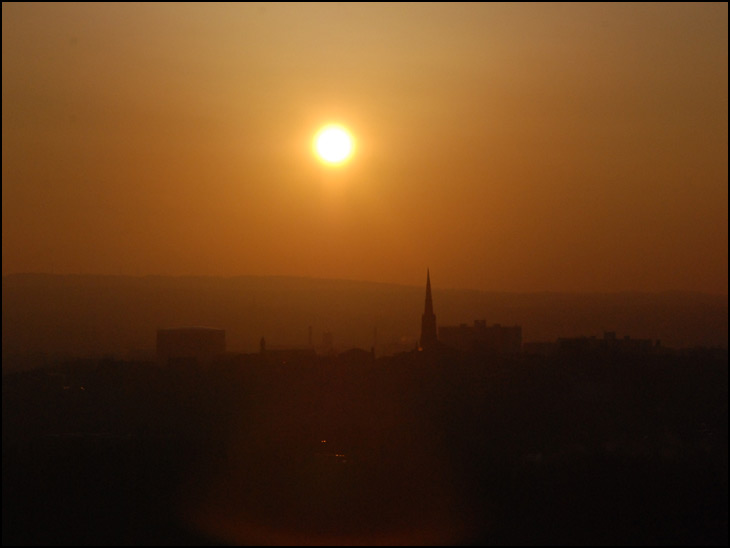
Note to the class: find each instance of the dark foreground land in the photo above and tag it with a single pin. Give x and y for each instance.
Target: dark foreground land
(419, 448)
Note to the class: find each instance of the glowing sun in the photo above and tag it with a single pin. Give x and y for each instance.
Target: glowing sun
(333, 144)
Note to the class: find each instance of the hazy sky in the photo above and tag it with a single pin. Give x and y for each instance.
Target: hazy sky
(515, 147)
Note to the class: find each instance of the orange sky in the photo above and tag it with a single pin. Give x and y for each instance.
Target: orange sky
(508, 147)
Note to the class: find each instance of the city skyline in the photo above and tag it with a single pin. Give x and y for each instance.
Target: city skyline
(469, 439)
(215, 222)
(516, 148)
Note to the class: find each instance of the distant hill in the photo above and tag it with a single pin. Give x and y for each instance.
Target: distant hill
(49, 316)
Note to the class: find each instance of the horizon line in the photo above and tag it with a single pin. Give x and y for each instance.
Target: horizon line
(350, 280)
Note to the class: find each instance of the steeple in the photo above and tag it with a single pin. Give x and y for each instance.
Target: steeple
(429, 301)
(428, 319)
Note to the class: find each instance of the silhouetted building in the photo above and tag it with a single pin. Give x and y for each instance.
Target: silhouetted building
(495, 339)
(608, 344)
(429, 335)
(190, 345)
(627, 345)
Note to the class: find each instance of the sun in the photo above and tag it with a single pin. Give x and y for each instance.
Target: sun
(333, 144)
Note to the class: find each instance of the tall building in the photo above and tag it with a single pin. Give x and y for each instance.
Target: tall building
(428, 320)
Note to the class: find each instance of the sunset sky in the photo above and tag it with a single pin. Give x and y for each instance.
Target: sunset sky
(507, 147)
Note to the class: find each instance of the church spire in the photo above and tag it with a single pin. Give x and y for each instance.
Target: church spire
(429, 301)
(428, 319)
